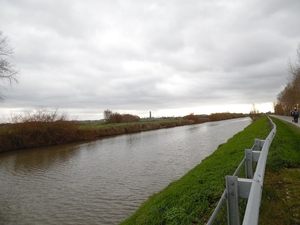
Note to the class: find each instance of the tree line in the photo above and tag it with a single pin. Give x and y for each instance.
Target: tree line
(289, 97)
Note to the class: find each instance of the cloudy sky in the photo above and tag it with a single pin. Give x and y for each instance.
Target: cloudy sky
(170, 57)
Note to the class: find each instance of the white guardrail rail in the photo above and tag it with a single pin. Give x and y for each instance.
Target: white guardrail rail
(249, 187)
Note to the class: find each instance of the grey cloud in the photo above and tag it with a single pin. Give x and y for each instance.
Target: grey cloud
(141, 55)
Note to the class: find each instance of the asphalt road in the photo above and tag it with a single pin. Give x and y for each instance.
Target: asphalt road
(287, 119)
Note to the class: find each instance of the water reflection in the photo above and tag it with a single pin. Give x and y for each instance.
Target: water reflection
(104, 181)
(31, 161)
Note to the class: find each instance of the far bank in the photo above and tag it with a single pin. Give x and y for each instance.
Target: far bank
(40, 133)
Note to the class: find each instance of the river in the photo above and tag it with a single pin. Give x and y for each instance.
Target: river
(104, 181)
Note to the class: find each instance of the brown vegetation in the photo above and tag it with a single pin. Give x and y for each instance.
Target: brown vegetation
(36, 134)
(290, 96)
(44, 128)
(224, 116)
(116, 117)
(38, 128)
(254, 114)
(195, 119)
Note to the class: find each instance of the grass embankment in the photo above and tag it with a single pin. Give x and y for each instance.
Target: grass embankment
(192, 199)
(281, 192)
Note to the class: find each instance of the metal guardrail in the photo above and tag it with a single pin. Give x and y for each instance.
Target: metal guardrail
(249, 187)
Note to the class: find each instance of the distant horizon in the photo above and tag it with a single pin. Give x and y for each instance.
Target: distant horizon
(74, 114)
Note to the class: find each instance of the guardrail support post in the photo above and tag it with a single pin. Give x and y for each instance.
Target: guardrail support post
(258, 144)
(233, 215)
(250, 187)
(249, 163)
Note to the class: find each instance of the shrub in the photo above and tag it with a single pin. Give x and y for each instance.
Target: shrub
(115, 118)
(192, 117)
(39, 115)
(118, 118)
(254, 113)
(224, 116)
(130, 118)
(37, 129)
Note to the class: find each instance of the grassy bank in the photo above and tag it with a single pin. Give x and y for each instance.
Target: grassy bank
(281, 193)
(192, 199)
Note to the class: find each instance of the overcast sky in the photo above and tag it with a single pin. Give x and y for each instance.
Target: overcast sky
(170, 57)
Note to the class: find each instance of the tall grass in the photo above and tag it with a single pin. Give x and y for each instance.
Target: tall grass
(36, 129)
(36, 134)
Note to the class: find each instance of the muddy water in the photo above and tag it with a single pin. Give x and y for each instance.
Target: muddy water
(105, 181)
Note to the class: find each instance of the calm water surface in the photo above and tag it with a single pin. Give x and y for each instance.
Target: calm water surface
(105, 181)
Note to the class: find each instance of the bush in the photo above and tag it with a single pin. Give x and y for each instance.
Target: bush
(115, 118)
(192, 117)
(254, 113)
(130, 118)
(118, 118)
(224, 116)
(37, 129)
(39, 115)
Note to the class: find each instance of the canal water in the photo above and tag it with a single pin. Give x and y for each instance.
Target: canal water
(104, 181)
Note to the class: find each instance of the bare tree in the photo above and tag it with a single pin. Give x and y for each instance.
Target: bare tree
(294, 68)
(7, 71)
(290, 96)
(106, 114)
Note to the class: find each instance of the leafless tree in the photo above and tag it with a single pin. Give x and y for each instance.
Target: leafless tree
(294, 68)
(7, 70)
(106, 114)
(290, 96)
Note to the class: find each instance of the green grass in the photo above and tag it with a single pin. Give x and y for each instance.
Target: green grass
(285, 146)
(281, 193)
(192, 199)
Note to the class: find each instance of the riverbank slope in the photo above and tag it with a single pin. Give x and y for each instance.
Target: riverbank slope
(192, 199)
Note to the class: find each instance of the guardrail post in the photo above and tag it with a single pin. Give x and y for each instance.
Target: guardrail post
(250, 187)
(233, 214)
(258, 144)
(249, 163)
